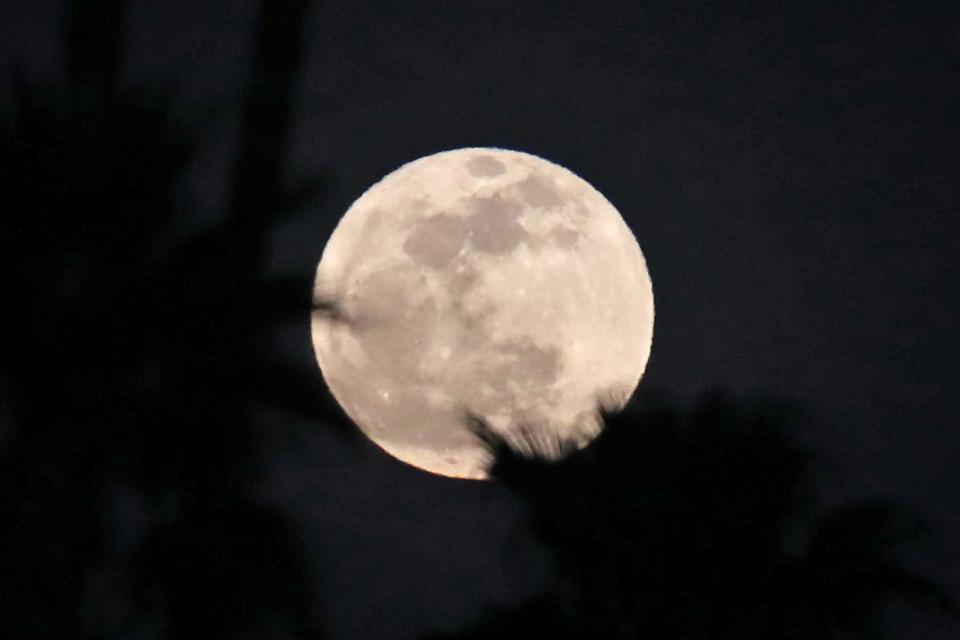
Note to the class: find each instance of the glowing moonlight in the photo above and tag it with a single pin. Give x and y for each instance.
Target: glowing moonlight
(485, 281)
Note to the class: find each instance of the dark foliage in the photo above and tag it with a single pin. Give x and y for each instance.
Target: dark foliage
(136, 368)
(699, 525)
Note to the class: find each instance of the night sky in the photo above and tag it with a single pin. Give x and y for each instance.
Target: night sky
(789, 172)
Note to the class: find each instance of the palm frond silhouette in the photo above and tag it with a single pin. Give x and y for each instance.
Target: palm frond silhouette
(136, 358)
(698, 524)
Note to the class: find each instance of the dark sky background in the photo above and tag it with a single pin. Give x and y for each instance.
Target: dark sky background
(790, 173)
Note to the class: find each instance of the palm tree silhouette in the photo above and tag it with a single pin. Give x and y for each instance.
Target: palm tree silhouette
(136, 366)
(698, 524)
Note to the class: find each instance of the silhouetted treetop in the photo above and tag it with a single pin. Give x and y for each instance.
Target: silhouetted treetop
(699, 523)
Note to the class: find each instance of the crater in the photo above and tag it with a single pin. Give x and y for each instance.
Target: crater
(436, 240)
(493, 227)
(539, 191)
(563, 236)
(462, 279)
(485, 166)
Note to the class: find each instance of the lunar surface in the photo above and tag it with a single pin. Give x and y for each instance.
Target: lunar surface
(487, 282)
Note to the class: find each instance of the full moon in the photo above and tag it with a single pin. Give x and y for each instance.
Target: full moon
(481, 282)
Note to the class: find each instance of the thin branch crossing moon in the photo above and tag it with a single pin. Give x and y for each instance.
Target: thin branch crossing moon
(487, 282)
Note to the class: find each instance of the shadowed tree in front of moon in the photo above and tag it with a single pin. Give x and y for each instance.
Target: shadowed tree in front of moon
(135, 370)
(698, 524)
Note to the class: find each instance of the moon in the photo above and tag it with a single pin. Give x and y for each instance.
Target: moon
(484, 282)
